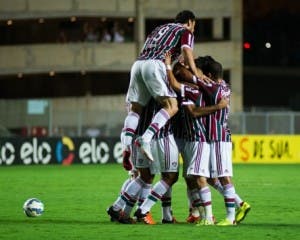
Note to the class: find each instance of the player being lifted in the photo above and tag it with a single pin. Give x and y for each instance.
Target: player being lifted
(148, 78)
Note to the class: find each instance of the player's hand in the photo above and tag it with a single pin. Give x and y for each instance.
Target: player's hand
(127, 164)
(206, 79)
(168, 57)
(223, 103)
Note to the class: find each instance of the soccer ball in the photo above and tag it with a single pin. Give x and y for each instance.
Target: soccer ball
(33, 207)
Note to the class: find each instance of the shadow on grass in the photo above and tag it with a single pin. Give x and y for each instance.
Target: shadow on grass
(47, 221)
(278, 225)
(90, 222)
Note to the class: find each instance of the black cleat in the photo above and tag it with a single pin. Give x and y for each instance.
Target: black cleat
(114, 215)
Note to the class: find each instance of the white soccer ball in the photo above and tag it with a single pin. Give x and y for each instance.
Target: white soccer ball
(33, 207)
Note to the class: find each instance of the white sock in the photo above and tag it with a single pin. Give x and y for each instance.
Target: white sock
(166, 205)
(158, 190)
(205, 196)
(130, 124)
(144, 193)
(125, 184)
(129, 194)
(238, 200)
(158, 121)
(229, 199)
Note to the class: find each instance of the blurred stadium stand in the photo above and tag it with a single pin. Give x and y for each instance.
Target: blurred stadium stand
(53, 57)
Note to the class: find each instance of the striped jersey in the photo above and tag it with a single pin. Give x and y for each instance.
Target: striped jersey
(216, 124)
(146, 117)
(178, 120)
(169, 37)
(195, 128)
(218, 129)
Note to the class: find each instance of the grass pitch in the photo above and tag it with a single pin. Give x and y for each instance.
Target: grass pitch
(76, 198)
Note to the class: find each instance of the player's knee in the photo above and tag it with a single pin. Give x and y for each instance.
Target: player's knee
(136, 107)
(225, 180)
(175, 109)
(172, 106)
(170, 178)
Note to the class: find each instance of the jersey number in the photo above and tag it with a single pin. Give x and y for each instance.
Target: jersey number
(161, 33)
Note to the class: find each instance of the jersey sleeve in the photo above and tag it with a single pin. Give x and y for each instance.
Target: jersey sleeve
(187, 39)
(190, 94)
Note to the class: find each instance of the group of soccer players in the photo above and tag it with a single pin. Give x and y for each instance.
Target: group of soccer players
(176, 110)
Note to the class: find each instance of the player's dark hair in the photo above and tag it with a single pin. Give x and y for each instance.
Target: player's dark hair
(184, 16)
(216, 70)
(209, 65)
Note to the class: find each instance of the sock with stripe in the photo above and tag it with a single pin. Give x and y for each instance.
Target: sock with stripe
(238, 200)
(205, 196)
(229, 199)
(158, 121)
(166, 205)
(194, 201)
(158, 190)
(144, 193)
(129, 195)
(130, 124)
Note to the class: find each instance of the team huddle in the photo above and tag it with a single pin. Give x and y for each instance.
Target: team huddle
(179, 106)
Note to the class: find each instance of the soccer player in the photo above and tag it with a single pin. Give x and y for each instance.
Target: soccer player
(148, 78)
(138, 187)
(167, 164)
(196, 149)
(220, 140)
(165, 153)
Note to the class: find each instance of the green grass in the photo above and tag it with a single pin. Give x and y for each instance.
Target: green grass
(76, 198)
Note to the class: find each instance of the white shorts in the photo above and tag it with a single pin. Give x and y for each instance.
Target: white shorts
(140, 161)
(165, 152)
(148, 78)
(221, 159)
(196, 155)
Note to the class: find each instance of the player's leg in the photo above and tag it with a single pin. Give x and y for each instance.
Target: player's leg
(130, 124)
(188, 155)
(114, 211)
(138, 187)
(242, 207)
(198, 168)
(155, 77)
(221, 153)
(206, 201)
(194, 200)
(229, 200)
(166, 200)
(165, 152)
(137, 97)
(168, 110)
(168, 154)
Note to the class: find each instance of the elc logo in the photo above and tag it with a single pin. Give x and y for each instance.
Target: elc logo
(7, 153)
(59, 151)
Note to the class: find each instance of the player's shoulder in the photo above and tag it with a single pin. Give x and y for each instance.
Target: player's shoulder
(175, 26)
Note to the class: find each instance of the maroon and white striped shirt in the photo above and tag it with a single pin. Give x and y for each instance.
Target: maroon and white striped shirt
(218, 122)
(193, 129)
(169, 37)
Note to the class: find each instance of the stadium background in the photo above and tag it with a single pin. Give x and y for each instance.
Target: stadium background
(61, 78)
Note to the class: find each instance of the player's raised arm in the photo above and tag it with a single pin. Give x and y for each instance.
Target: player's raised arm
(172, 80)
(201, 111)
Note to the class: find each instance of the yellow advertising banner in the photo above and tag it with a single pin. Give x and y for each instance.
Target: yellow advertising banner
(278, 149)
